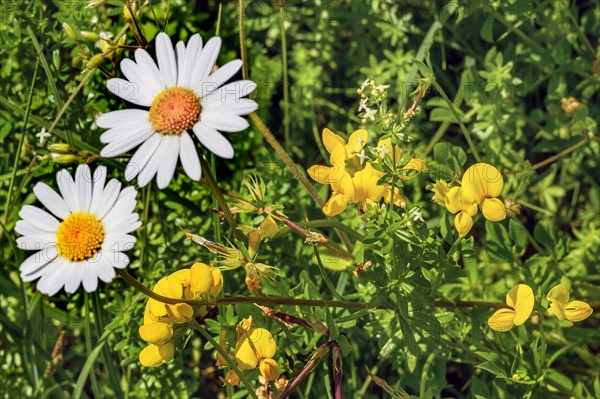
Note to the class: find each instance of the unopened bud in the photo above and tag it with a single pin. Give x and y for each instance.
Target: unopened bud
(69, 31)
(64, 158)
(95, 62)
(62, 148)
(93, 36)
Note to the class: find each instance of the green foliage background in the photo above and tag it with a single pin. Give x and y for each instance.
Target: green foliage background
(505, 65)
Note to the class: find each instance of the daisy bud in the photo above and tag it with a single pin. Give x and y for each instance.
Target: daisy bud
(62, 148)
(95, 62)
(93, 36)
(64, 158)
(69, 31)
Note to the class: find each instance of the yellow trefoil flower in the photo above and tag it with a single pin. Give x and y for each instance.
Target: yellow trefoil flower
(482, 184)
(563, 309)
(440, 190)
(356, 184)
(463, 208)
(255, 347)
(415, 164)
(521, 300)
(161, 320)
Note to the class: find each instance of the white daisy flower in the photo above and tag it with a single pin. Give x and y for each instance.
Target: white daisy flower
(181, 94)
(83, 238)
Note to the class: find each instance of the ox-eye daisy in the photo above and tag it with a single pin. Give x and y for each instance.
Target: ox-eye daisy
(181, 94)
(88, 241)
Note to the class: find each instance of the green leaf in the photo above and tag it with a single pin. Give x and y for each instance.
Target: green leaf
(87, 366)
(518, 233)
(479, 389)
(497, 243)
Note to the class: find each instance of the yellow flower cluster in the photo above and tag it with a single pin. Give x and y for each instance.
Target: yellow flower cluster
(254, 347)
(563, 309)
(161, 320)
(521, 301)
(480, 186)
(351, 181)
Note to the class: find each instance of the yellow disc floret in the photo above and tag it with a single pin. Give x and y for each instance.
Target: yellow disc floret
(79, 236)
(174, 110)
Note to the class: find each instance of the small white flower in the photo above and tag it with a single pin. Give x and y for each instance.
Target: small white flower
(88, 241)
(381, 151)
(364, 85)
(43, 135)
(370, 114)
(363, 105)
(179, 94)
(362, 157)
(416, 214)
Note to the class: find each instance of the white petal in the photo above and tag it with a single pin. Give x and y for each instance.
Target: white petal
(51, 200)
(74, 281)
(126, 143)
(180, 50)
(121, 117)
(53, 278)
(67, 188)
(149, 170)
(225, 123)
(129, 91)
(90, 276)
(189, 157)
(137, 75)
(230, 93)
(25, 228)
(205, 62)
(35, 242)
(152, 76)
(169, 161)
(125, 130)
(141, 156)
(39, 218)
(98, 188)
(108, 198)
(120, 242)
(123, 207)
(105, 270)
(126, 225)
(119, 260)
(166, 59)
(218, 78)
(38, 260)
(213, 140)
(242, 107)
(83, 182)
(192, 52)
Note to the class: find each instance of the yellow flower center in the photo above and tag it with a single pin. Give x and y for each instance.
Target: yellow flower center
(174, 110)
(79, 236)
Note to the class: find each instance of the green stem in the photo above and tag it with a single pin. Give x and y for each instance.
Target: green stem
(458, 120)
(284, 65)
(212, 184)
(143, 251)
(286, 159)
(542, 346)
(88, 341)
(444, 126)
(326, 279)
(243, 41)
(106, 353)
(227, 358)
(20, 145)
(278, 300)
(69, 101)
